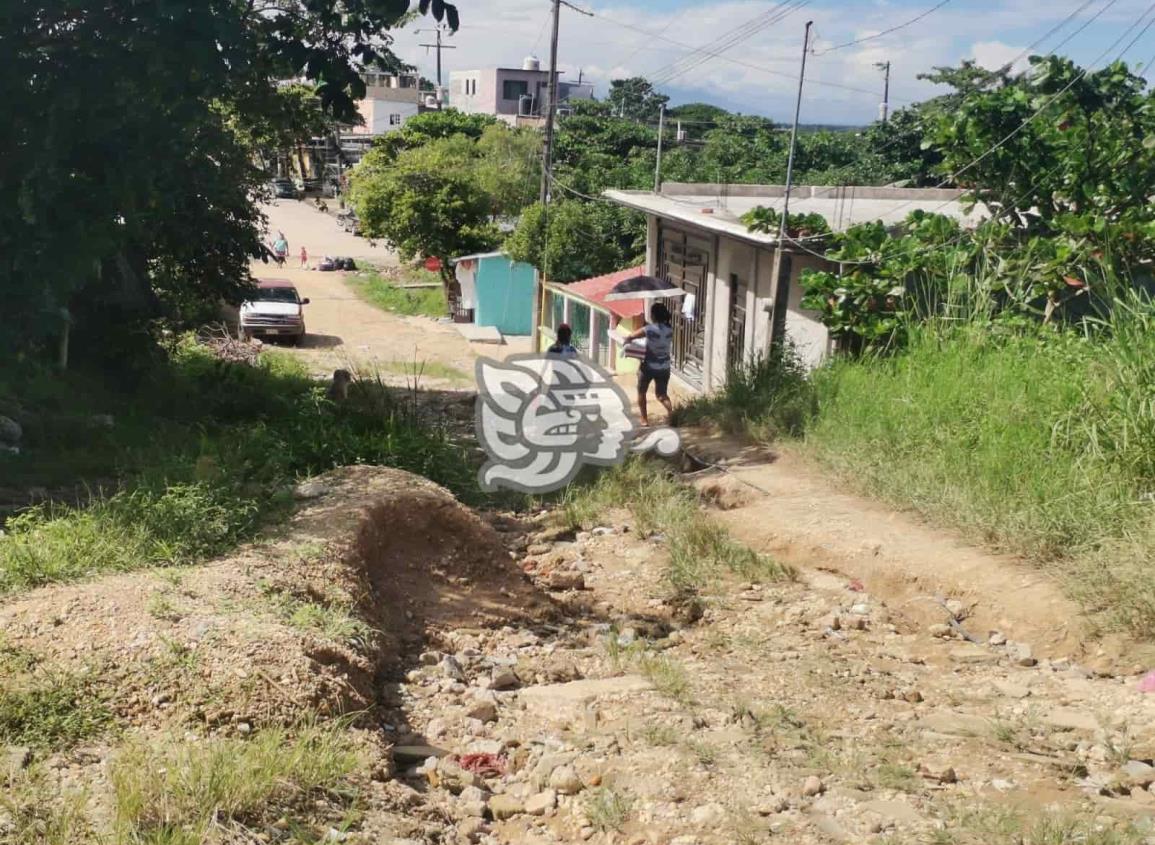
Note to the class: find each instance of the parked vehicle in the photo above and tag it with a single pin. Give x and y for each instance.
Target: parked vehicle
(284, 189)
(275, 309)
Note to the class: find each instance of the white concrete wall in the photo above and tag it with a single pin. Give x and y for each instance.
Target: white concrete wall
(804, 328)
(377, 114)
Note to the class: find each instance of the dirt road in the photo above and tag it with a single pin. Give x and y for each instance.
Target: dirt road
(344, 331)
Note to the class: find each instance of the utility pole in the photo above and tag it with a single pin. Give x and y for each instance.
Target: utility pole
(438, 47)
(658, 165)
(546, 171)
(777, 288)
(885, 67)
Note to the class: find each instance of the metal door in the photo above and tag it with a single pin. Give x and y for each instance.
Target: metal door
(684, 261)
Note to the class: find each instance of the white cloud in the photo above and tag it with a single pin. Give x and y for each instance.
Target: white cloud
(995, 54)
(758, 75)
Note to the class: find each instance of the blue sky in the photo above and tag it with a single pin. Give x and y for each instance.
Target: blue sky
(654, 38)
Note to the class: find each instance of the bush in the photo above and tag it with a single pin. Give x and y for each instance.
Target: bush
(197, 460)
(769, 398)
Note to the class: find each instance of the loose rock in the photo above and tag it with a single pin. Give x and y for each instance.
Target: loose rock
(541, 803)
(565, 780)
(812, 786)
(505, 807)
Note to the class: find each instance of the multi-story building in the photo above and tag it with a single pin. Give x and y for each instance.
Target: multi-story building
(518, 96)
(390, 100)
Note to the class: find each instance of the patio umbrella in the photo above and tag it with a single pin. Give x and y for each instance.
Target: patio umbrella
(643, 287)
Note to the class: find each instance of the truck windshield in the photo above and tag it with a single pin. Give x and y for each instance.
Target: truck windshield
(277, 295)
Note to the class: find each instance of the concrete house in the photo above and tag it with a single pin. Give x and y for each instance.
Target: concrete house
(518, 96)
(696, 240)
(390, 100)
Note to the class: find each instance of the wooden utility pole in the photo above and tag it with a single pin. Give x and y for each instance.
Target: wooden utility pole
(546, 172)
(658, 165)
(777, 288)
(438, 47)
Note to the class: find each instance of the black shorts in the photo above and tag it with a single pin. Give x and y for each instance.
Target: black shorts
(660, 378)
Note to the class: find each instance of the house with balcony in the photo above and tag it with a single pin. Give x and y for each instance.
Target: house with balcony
(517, 96)
(733, 306)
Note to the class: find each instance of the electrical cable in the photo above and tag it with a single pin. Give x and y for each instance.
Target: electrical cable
(736, 36)
(885, 32)
(743, 63)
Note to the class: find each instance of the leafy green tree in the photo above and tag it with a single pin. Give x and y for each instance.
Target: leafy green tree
(635, 99)
(576, 240)
(127, 158)
(429, 126)
(508, 167)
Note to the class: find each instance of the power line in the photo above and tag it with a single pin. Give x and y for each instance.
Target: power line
(741, 62)
(728, 40)
(886, 32)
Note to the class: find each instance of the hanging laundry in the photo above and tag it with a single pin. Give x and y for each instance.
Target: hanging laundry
(466, 273)
(688, 306)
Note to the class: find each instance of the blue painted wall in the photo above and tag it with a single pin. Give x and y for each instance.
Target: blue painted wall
(504, 295)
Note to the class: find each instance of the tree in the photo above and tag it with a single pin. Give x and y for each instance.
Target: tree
(576, 240)
(635, 99)
(128, 150)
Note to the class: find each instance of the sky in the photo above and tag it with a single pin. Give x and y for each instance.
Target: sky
(757, 69)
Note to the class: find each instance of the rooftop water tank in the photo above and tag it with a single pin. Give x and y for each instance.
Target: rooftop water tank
(531, 63)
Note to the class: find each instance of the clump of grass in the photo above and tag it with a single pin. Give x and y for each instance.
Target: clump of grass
(608, 808)
(36, 812)
(179, 792)
(386, 290)
(336, 621)
(700, 548)
(659, 735)
(54, 712)
(1000, 825)
(160, 606)
(705, 753)
(768, 398)
(667, 675)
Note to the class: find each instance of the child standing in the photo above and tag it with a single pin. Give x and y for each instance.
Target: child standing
(563, 348)
(304, 259)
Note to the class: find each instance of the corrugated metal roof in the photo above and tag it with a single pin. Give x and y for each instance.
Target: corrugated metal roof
(595, 290)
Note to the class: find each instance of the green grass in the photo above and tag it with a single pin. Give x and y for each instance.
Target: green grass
(54, 712)
(1040, 444)
(201, 456)
(39, 813)
(768, 399)
(421, 370)
(385, 289)
(1003, 825)
(180, 793)
(607, 808)
(700, 548)
(332, 620)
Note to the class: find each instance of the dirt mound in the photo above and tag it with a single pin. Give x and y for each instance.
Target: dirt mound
(374, 562)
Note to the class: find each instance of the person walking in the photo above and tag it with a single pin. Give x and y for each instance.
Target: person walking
(563, 348)
(281, 248)
(659, 335)
(304, 259)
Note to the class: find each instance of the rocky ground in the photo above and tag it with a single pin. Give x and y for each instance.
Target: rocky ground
(518, 682)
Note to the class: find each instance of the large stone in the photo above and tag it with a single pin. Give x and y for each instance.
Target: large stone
(813, 786)
(954, 724)
(409, 755)
(569, 700)
(504, 679)
(484, 711)
(1020, 654)
(898, 812)
(708, 815)
(566, 581)
(565, 780)
(505, 807)
(541, 803)
(15, 757)
(1070, 719)
(10, 431)
(1139, 773)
